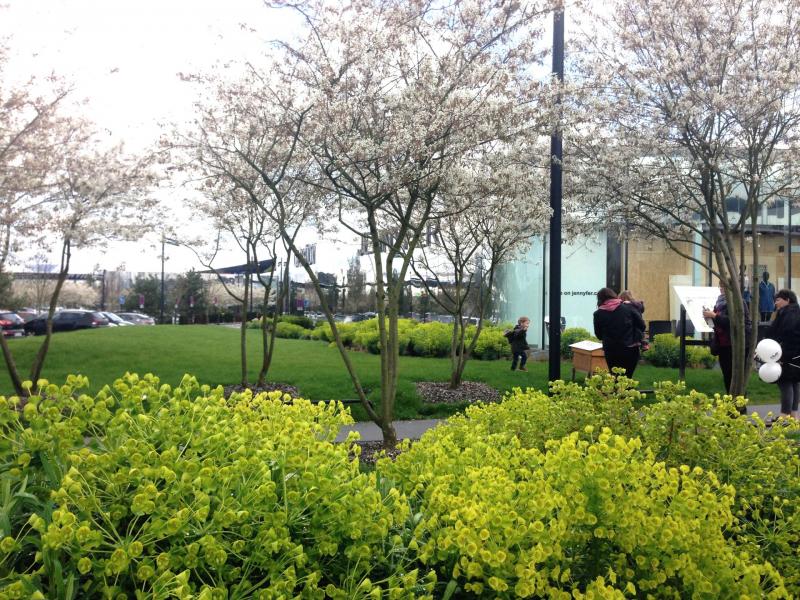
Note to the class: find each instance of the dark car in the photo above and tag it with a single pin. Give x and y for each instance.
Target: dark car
(12, 324)
(67, 320)
(137, 318)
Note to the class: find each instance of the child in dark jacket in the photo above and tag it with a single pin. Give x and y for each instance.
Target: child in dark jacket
(519, 343)
(627, 298)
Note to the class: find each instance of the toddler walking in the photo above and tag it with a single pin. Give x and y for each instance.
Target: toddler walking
(519, 343)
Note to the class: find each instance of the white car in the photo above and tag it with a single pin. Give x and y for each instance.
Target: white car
(114, 320)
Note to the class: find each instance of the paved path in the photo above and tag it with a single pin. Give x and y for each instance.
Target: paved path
(414, 429)
(405, 430)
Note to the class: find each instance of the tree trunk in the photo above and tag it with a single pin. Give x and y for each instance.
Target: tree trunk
(38, 362)
(268, 338)
(456, 348)
(11, 365)
(243, 332)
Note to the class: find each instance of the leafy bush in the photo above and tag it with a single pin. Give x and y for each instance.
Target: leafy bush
(759, 463)
(600, 517)
(700, 356)
(421, 339)
(145, 491)
(491, 344)
(148, 491)
(432, 339)
(299, 320)
(572, 335)
(304, 322)
(665, 352)
(290, 330)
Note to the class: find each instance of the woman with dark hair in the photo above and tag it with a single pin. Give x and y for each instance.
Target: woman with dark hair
(785, 330)
(620, 327)
(721, 344)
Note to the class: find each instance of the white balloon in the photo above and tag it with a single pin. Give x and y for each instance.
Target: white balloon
(770, 372)
(768, 351)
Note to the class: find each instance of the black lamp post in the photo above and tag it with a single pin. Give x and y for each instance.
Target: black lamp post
(556, 157)
(172, 242)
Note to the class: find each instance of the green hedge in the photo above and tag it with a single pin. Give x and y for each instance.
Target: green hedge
(665, 352)
(417, 339)
(572, 335)
(297, 320)
(148, 491)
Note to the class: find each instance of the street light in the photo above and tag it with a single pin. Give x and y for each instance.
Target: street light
(171, 242)
(555, 203)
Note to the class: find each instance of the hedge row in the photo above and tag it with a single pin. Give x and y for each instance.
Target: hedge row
(435, 339)
(432, 339)
(145, 491)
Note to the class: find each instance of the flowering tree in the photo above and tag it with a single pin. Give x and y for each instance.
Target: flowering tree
(365, 118)
(401, 93)
(32, 132)
(236, 217)
(92, 195)
(503, 209)
(681, 105)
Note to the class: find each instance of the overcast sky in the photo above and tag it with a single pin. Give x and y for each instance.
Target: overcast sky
(123, 57)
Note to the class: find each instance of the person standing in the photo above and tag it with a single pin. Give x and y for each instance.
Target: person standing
(620, 327)
(519, 343)
(785, 330)
(766, 297)
(627, 298)
(721, 339)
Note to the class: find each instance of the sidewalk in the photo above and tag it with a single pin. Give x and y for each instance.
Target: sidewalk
(414, 429)
(405, 430)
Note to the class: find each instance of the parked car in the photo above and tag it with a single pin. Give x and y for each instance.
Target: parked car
(12, 324)
(67, 320)
(114, 320)
(26, 314)
(137, 318)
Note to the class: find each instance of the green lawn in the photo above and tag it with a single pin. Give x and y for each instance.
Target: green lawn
(211, 353)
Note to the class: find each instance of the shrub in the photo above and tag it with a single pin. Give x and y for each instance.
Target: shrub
(571, 335)
(665, 352)
(145, 491)
(299, 320)
(700, 356)
(432, 339)
(304, 322)
(290, 330)
(491, 344)
(759, 463)
(601, 517)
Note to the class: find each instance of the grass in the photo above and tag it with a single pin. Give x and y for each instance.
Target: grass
(211, 353)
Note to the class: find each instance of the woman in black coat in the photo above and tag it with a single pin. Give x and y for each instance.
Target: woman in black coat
(785, 330)
(621, 328)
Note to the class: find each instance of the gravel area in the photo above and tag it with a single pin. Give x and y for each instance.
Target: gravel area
(435, 392)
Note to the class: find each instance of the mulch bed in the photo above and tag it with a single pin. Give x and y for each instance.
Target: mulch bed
(435, 392)
(270, 386)
(370, 451)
